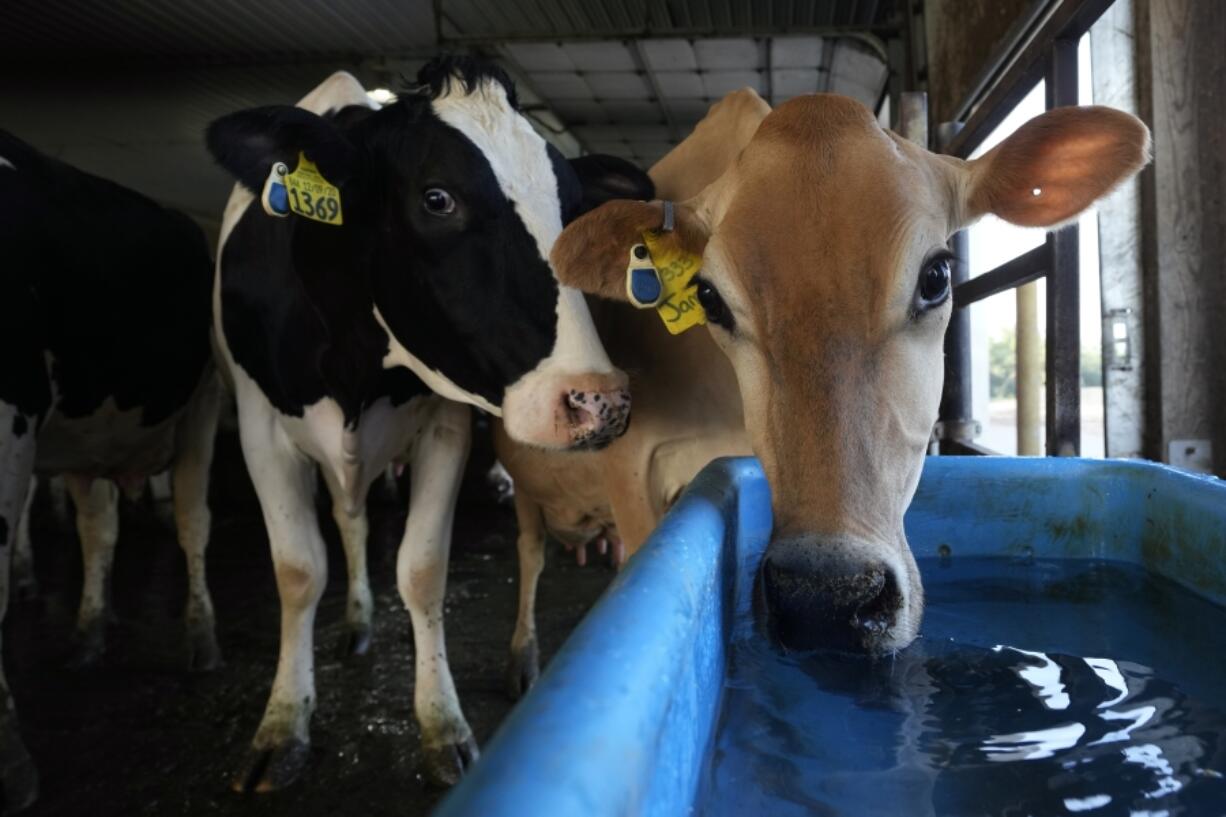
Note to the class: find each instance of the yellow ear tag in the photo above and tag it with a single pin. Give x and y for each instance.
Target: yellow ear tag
(679, 307)
(311, 195)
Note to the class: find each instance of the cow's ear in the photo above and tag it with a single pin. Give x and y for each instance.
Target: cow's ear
(248, 143)
(594, 251)
(1055, 166)
(605, 178)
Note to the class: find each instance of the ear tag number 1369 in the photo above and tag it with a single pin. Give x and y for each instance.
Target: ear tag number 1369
(305, 192)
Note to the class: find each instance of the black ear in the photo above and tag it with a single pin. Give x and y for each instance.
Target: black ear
(247, 143)
(605, 178)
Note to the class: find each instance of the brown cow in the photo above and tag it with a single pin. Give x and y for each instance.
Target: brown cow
(687, 409)
(825, 279)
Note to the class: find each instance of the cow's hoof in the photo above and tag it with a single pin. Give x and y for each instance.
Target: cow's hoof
(356, 641)
(445, 765)
(203, 653)
(523, 668)
(18, 775)
(268, 770)
(87, 648)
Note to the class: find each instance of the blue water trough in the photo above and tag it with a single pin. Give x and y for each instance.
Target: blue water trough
(620, 721)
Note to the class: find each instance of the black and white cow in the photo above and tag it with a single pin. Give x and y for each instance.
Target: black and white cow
(106, 376)
(355, 345)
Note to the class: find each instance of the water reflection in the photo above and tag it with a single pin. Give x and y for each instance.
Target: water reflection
(950, 728)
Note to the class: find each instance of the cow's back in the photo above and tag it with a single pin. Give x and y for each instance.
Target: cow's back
(112, 285)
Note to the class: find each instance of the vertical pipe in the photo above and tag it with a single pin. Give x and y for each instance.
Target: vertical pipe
(1029, 372)
(1063, 290)
(957, 400)
(913, 117)
(957, 407)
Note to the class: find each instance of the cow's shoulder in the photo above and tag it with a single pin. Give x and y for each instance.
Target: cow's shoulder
(277, 334)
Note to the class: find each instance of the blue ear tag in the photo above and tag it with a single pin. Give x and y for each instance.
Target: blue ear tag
(274, 198)
(643, 286)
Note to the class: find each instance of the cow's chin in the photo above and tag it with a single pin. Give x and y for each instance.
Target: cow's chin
(567, 412)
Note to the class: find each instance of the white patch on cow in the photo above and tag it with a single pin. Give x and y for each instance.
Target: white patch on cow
(439, 383)
(520, 160)
(340, 90)
(6, 163)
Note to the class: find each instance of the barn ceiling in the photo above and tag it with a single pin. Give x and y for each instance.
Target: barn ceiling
(125, 88)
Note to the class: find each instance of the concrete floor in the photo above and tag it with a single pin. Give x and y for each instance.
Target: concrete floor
(137, 735)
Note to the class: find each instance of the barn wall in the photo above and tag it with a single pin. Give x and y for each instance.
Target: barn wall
(1183, 85)
(963, 36)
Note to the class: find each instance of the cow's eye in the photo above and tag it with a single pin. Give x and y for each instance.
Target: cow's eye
(717, 311)
(934, 283)
(438, 202)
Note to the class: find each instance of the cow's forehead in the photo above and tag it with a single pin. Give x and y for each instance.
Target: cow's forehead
(825, 215)
(516, 153)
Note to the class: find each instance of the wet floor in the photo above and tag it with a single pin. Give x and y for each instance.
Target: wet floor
(137, 735)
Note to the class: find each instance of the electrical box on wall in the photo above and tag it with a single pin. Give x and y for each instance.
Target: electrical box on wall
(1191, 455)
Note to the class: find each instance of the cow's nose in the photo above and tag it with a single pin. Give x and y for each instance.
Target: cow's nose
(819, 595)
(597, 418)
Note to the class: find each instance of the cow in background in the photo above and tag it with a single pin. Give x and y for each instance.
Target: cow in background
(106, 376)
(687, 411)
(360, 337)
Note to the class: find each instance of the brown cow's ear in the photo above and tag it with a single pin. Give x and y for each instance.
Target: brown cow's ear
(594, 250)
(1055, 166)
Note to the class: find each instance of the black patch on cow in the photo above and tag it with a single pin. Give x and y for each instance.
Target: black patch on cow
(296, 348)
(113, 285)
(604, 178)
(468, 294)
(4, 531)
(20, 426)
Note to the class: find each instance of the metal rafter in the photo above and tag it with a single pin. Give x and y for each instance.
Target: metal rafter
(640, 63)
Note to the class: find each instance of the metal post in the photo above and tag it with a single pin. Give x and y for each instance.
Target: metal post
(1029, 372)
(957, 404)
(913, 117)
(1063, 290)
(955, 422)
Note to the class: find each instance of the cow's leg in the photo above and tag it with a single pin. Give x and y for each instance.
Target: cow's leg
(284, 480)
(18, 776)
(24, 582)
(437, 463)
(58, 492)
(190, 477)
(524, 664)
(97, 502)
(359, 606)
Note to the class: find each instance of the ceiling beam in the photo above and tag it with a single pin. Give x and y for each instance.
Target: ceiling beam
(640, 63)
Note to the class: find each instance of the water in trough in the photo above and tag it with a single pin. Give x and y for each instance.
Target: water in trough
(1037, 687)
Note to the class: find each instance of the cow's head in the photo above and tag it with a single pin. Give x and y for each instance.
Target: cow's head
(825, 279)
(450, 203)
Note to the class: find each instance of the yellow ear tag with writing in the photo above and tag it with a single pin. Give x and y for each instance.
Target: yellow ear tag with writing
(679, 307)
(311, 195)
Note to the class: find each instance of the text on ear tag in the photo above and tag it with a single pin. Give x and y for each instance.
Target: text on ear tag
(273, 197)
(311, 195)
(678, 306)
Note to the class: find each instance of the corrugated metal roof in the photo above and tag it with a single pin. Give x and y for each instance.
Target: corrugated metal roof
(607, 93)
(125, 88)
(497, 20)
